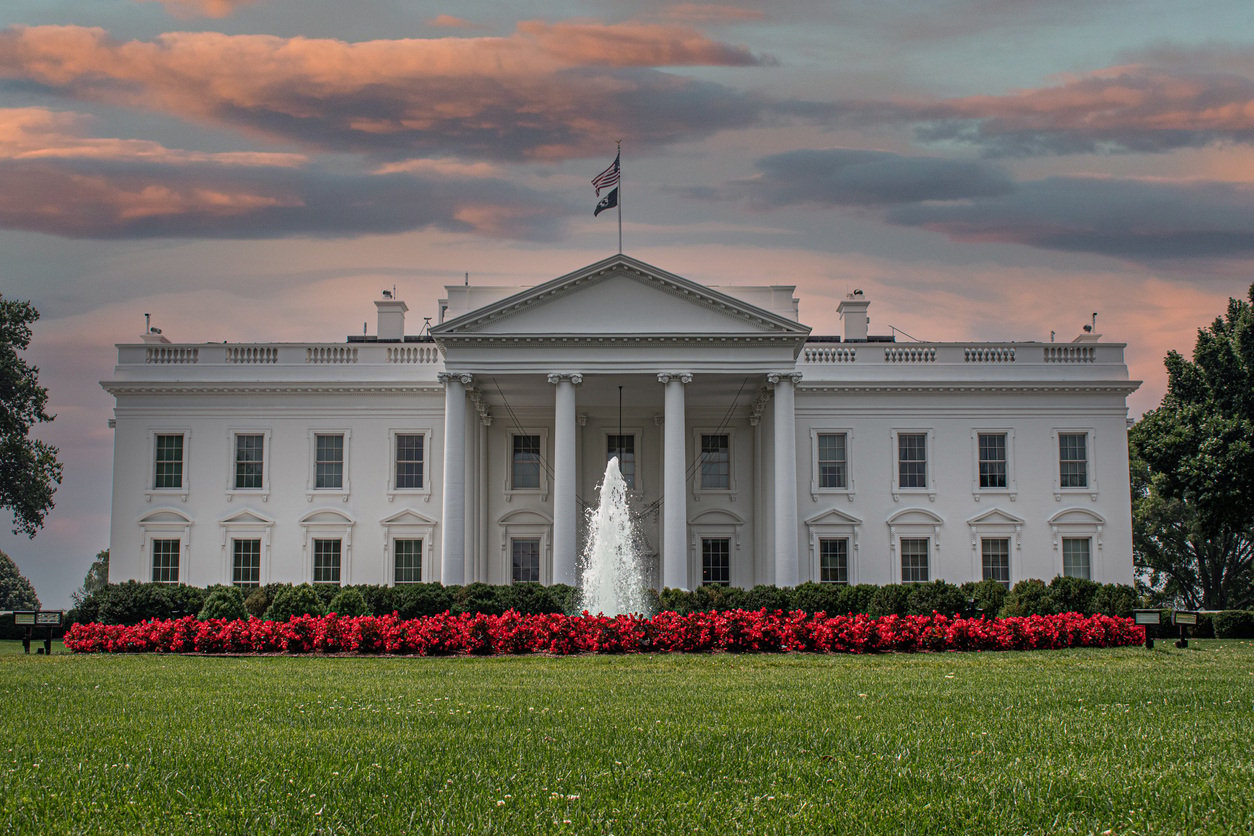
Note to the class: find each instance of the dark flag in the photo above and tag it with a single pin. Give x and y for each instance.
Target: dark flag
(607, 202)
(609, 177)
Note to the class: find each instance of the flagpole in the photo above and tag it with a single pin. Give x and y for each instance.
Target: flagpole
(619, 157)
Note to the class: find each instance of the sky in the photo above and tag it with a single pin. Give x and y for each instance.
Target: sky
(258, 170)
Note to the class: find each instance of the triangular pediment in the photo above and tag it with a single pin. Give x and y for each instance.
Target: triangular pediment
(995, 516)
(619, 296)
(833, 516)
(246, 516)
(408, 516)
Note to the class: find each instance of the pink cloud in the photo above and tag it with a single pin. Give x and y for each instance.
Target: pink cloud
(546, 91)
(201, 8)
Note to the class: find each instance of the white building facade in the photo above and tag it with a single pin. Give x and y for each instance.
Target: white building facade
(755, 452)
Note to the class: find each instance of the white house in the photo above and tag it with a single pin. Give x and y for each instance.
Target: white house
(756, 452)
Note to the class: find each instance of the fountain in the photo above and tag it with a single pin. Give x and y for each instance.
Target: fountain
(613, 572)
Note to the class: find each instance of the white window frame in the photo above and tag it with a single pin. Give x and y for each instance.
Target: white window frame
(929, 473)
(901, 566)
(1091, 452)
(266, 454)
(328, 524)
(1011, 490)
(729, 491)
(717, 523)
(543, 490)
(915, 524)
(1078, 523)
(996, 523)
(425, 491)
(408, 524)
(637, 434)
(165, 494)
(1062, 555)
(166, 523)
(833, 525)
(345, 488)
(245, 524)
(261, 549)
(526, 524)
(816, 489)
(700, 567)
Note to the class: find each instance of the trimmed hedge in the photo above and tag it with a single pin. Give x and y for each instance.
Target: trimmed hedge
(1234, 624)
(133, 602)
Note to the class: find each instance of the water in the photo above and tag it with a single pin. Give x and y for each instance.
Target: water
(613, 570)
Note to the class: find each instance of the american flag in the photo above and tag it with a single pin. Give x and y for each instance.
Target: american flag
(607, 178)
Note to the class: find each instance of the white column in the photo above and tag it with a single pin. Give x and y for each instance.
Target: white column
(787, 559)
(674, 484)
(453, 518)
(565, 509)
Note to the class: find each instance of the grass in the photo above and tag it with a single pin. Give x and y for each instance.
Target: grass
(1087, 741)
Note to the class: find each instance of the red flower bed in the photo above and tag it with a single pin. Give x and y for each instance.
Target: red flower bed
(734, 631)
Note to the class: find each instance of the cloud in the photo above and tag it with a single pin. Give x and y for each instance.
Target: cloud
(858, 177)
(1137, 108)
(62, 183)
(547, 91)
(711, 13)
(1140, 220)
(201, 8)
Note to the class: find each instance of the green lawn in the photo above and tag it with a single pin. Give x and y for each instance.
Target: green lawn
(1125, 740)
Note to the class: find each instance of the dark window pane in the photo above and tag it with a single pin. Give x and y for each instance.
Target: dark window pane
(834, 560)
(326, 568)
(526, 463)
(716, 561)
(914, 552)
(249, 458)
(832, 460)
(168, 462)
(165, 561)
(329, 462)
(409, 462)
(992, 460)
(246, 563)
(525, 560)
(408, 561)
(912, 460)
(715, 462)
(995, 557)
(623, 446)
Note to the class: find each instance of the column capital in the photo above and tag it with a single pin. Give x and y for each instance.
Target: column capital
(460, 377)
(557, 377)
(774, 378)
(667, 377)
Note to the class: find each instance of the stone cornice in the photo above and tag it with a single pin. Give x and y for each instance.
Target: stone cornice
(1100, 386)
(159, 387)
(582, 340)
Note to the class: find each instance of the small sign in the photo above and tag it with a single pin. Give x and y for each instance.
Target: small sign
(1147, 617)
(1184, 617)
(48, 618)
(24, 618)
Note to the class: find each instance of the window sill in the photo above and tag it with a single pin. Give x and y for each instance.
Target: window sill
(898, 493)
(326, 494)
(980, 493)
(425, 493)
(815, 493)
(264, 493)
(166, 493)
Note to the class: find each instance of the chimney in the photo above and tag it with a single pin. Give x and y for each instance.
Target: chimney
(852, 309)
(391, 319)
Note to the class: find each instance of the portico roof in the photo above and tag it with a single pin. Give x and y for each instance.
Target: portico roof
(620, 314)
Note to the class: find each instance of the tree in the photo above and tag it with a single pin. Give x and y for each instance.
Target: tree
(1193, 470)
(29, 470)
(97, 577)
(16, 592)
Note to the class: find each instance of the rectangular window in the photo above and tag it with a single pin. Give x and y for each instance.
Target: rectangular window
(329, 462)
(623, 446)
(168, 472)
(249, 460)
(165, 561)
(715, 463)
(246, 563)
(408, 561)
(995, 557)
(1073, 460)
(912, 460)
(1075, 557)
(834, 560)
(326, 567)
(992, 460)
(716, 561)
(409, 462)
(525, 473)
(524, 554)
(832, 461)
(914, 552)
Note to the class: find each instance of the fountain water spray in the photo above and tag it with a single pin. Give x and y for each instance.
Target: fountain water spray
(613, 571)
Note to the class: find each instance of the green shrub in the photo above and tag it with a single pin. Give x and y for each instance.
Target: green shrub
(380, 600)
(766, 597)
(1028, 597)
(478, 597)
(414, 600)
(325, 592)
(1073, 594)
(258, 601)
(989, 596)
(891, 599)
(528, 599)
(713, 598)
(675, 600)
(566, 598)
(937, 596)
(1115, 599)
(1234, 624)
(133, 602)
(348, 602)
(295, 600)
(818, 597)
(224, 602)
